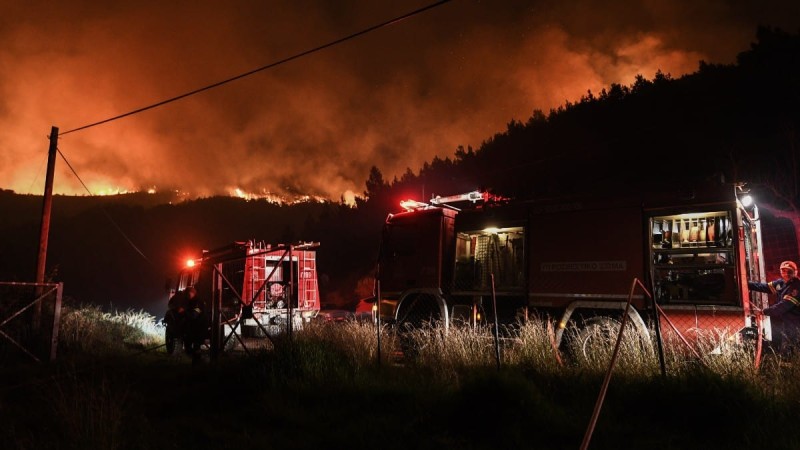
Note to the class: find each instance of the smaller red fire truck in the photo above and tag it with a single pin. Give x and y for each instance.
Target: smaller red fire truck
(577, 259)
(253, 289)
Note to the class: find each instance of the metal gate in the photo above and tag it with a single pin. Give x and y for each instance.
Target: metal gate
(29, 320)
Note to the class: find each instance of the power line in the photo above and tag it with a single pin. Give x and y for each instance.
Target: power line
(268, 66)
(220, 83)
(108, 216)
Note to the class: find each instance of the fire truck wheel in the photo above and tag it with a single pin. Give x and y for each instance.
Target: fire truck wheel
(418, 310)
(594, 340)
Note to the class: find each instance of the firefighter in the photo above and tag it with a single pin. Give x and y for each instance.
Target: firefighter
(176, 317)
(196, 325)
(180, 301)
(785, 313)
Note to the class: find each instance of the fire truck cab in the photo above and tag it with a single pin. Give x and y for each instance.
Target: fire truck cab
(576, 259)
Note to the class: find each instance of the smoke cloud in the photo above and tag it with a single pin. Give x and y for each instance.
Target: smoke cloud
(394, 98)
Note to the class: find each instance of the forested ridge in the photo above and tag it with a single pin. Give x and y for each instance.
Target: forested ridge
(737, 122)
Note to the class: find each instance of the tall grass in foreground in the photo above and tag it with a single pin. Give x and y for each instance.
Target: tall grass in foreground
(450, 352)
(329, 375)
(91, 408)
(87, 329)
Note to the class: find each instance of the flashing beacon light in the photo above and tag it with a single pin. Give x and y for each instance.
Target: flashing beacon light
(743, 196)
(411, 205)
(189, 263)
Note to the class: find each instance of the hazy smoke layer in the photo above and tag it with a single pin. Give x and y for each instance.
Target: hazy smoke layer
(394, 98)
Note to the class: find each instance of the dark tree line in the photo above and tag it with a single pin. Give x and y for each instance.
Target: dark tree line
(736, 122)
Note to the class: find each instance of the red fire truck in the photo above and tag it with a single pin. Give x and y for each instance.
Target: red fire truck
(577, 259)
(252, 289)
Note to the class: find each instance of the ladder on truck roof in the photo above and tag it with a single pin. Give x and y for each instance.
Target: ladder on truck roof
(307, 275)
(473, 197)
(445, 202)
(258, 271)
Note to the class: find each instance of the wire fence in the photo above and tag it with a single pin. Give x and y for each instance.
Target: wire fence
(29, 320)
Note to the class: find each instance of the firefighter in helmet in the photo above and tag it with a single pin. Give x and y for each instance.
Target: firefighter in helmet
(785, 313)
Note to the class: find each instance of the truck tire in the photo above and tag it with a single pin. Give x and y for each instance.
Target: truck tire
(591, 340)
(598, 336)
(418, 310)
(594, 341)
(415, 312)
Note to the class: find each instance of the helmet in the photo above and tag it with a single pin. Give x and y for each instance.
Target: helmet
(790, 265)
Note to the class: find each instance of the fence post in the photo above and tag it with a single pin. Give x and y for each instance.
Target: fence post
(496, 327)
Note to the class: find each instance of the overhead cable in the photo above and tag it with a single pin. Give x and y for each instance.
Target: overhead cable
(108, 216)
(268, 66)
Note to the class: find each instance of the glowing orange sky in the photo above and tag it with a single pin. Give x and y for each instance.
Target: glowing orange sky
(394, 98)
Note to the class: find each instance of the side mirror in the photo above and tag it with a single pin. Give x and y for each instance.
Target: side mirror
(168, 285)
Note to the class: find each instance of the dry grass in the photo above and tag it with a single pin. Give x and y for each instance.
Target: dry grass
(357, 341)
(530, 346)
(87, 329)
(89, 409)
(534, 347)
(124, 403)
(449, 353)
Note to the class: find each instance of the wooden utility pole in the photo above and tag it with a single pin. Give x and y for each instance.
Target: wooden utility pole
(47, 204)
